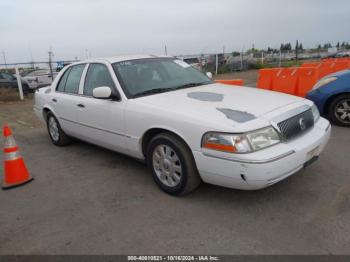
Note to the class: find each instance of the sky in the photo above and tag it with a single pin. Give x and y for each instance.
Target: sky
(97, 28)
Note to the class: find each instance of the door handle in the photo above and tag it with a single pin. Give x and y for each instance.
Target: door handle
(54, 100)
(80, 105)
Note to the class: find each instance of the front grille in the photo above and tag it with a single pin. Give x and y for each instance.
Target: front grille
(296, 125)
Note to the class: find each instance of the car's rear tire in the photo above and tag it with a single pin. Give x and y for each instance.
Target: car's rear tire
(339, 110)
(57, 135)
(172, 164)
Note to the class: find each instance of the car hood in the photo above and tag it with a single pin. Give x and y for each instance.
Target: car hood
(223, 103)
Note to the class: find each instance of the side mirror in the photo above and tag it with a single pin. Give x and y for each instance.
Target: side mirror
(105, 92)
(102, 92)
(209, 74)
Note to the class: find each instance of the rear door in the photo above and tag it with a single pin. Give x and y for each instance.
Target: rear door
(101, 120)
(65, 101)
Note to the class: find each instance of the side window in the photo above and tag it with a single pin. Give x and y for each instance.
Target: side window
(63, 80)
(73, 80)
(97, 75)
(7, 76)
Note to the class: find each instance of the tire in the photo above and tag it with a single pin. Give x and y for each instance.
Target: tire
(172, 165)
(26, 89)
(57, 136)
(339, 107)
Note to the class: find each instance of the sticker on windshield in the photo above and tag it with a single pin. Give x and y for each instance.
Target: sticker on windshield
(125, 63)
(181, 63)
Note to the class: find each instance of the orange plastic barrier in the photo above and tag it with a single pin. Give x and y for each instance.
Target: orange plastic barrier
(325, 68)
(307, 77)
(234, 82)
(341, 65)
(310, 64)
(328, 59)
(347, 59)
(285, 81)
(265, 78)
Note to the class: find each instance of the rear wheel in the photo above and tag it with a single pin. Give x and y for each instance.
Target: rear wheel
(172, 164)
(339, 110)
(58, 137)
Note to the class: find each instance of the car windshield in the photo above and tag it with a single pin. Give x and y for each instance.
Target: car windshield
(156, 75)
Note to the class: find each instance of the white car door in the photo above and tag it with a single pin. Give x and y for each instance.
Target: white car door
(65, 100)
(101, 120)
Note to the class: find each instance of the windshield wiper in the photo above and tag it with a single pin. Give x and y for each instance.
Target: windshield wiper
(162, 90)
(152, 91)
(189, 85)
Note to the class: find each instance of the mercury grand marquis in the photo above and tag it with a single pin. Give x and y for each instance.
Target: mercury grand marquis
(186, 127)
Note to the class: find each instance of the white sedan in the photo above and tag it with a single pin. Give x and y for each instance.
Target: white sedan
(186, 127)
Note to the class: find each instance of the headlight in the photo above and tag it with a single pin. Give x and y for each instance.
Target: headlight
(315, 113)
(324, 82)
(241, 143)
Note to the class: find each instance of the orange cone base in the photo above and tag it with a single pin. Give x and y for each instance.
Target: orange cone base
(18, 184)
(16, 174)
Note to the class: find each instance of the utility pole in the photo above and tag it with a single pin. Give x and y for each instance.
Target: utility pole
(31, 57)
(4, 56)
(165, 50)
(50, 61)
(280, 63)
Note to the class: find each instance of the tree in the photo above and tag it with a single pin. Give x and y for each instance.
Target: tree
(338, 45)
(301, 46)
(327, 45)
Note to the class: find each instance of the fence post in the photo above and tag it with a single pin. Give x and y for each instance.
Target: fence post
(19, 83)
(241, 60)
(280, 64)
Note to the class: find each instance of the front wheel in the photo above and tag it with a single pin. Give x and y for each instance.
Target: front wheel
(58, 137)
(172, 164)
(339, 110)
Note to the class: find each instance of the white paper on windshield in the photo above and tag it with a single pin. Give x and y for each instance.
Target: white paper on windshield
(182, 63)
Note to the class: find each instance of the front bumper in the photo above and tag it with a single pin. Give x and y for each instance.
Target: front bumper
(266, 167)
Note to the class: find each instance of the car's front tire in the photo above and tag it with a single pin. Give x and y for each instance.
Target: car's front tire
(339, 110)
(57, 135)
(172, 164)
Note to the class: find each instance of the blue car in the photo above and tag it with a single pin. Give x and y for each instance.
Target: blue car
(332, 97)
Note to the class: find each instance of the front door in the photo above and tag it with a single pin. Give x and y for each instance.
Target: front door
(101, 120)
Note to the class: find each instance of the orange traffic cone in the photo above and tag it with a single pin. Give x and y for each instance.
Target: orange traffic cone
(15, 171)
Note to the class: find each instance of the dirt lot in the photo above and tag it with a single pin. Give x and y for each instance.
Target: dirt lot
(88, 200)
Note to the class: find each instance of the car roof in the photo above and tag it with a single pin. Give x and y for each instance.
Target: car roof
(115, 59)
